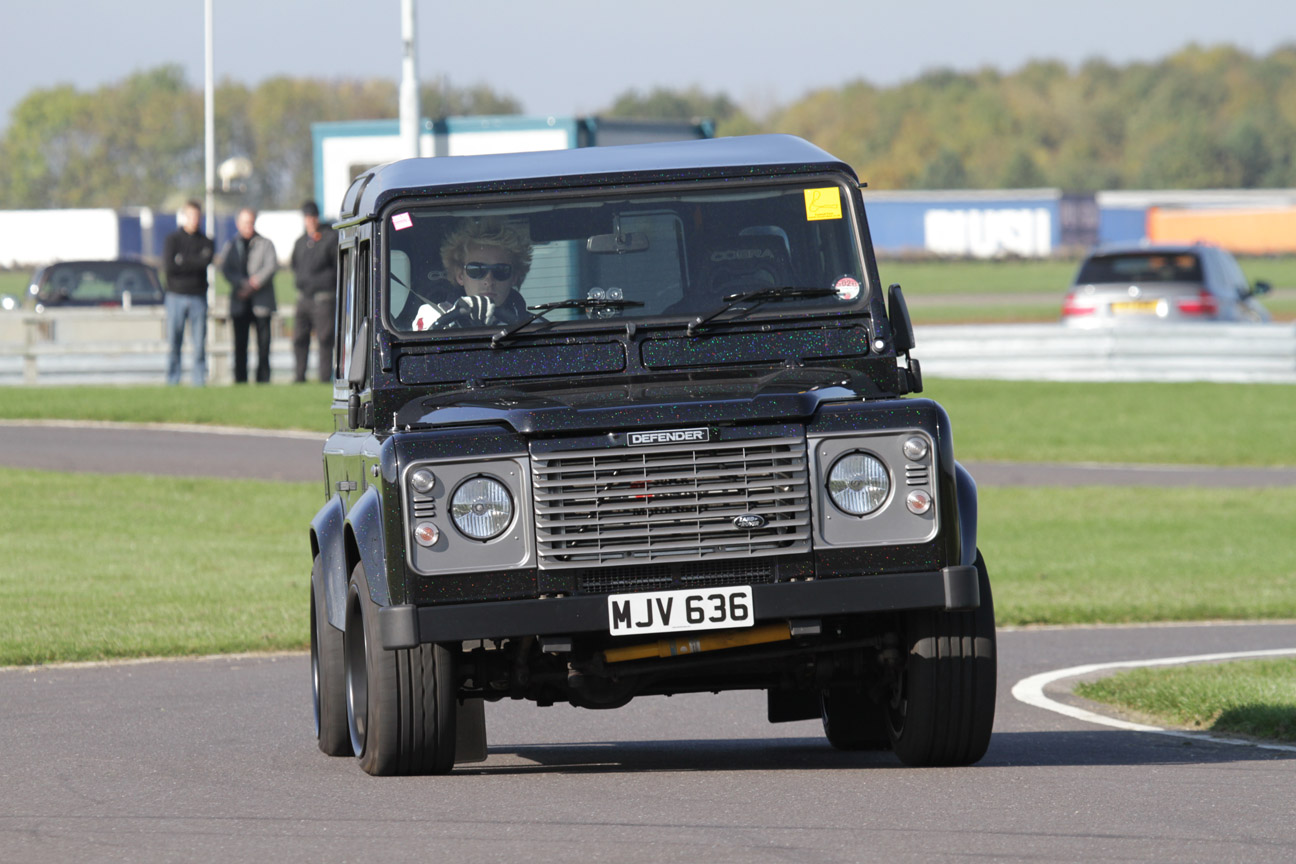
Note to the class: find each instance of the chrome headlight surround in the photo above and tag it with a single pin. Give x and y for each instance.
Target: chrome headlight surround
(852, 508)
(439, 541)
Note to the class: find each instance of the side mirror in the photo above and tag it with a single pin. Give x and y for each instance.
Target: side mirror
(1260, 287)
(901, 326)
(357, 370)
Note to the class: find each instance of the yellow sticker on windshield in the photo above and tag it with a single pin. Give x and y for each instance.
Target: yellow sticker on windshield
(823, 203)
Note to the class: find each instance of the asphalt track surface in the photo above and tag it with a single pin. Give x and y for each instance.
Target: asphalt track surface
(296, 456)
(214, 759)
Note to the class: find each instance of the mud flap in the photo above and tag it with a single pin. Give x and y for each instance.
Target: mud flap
(470, 732)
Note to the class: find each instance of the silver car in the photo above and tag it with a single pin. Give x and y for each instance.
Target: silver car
(1138, 284)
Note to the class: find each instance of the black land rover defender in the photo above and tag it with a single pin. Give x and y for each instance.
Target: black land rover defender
(626, 421)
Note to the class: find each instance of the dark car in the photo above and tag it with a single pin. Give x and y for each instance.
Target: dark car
(1153, 283)
(113, 284)
(629, 421)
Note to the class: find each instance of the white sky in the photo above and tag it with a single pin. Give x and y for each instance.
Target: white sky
(571, 57)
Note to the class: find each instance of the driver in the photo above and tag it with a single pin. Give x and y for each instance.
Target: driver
(487, 259)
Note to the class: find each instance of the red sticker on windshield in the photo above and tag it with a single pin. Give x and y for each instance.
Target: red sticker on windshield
(401, 221)
(848, 288)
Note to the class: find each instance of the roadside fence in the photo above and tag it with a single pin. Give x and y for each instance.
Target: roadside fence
(99, 346)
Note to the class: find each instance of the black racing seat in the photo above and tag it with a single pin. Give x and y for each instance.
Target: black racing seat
(736, 265)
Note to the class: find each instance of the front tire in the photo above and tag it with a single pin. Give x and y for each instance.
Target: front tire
(942, 711)
(328, 675)
(401, 704)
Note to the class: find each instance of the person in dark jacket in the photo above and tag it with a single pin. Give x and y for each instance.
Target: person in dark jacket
(314, 265)
(249, 263)
(186, 254)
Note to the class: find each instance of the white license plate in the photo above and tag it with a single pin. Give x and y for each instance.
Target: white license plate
(674, 611)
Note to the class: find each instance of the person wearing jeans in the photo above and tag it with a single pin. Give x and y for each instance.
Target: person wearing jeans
(186, 254)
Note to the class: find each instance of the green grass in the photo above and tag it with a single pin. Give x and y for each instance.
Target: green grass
(1253, 698)
(299, 406)
(1030, 421)
(1085, 555)
(1037, 276)
(110, 566)
(949, 278)
(181, 566)
(1196, 423)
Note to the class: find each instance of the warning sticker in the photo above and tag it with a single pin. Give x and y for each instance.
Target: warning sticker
(401, 221)
(823, 203)
(848, 288)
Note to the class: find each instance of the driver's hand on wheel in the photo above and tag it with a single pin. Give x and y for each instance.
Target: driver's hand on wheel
(464, 312)
(478, 310)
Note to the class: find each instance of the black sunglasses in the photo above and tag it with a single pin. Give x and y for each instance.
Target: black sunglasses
(478, 270)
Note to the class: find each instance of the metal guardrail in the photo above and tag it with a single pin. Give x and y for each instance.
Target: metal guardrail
(121, 347)
(1155, 352)
(115, 346)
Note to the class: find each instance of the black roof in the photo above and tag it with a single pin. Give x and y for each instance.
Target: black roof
(744, 156)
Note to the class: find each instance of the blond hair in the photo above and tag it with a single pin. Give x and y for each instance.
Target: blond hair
(487, 231)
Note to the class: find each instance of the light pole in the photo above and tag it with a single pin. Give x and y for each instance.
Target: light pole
(409, 85)
(209, 147)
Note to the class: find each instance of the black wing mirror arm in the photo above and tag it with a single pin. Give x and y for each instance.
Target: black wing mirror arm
(903, 335)
(357, 372)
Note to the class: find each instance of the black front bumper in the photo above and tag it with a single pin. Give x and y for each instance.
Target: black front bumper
(950, 588)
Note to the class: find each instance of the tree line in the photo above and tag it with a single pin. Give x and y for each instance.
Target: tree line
(1204, 117)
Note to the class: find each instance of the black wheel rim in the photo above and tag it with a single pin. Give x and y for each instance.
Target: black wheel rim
(357, 681)
(315, 678)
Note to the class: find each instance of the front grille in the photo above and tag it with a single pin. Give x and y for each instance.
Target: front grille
(662, 577)
(638, 505)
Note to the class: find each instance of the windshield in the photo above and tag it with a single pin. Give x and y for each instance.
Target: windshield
(666, 251)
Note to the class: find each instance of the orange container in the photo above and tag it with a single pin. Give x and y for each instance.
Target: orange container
(1252, 231)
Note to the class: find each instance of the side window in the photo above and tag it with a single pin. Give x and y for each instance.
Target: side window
(361, 302)
(1233, 275)
(345, 323)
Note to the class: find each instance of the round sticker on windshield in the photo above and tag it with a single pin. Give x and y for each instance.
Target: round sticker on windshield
(848, 288)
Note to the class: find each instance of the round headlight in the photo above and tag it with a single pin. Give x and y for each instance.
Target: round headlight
(858, 483)
(482, 508)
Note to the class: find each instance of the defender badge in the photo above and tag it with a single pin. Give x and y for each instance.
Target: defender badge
(668, 436)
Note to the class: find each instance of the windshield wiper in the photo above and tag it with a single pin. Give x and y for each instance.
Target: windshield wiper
(757, 297)
(545, 308)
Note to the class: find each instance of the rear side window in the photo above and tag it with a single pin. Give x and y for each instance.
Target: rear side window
(1142, 267)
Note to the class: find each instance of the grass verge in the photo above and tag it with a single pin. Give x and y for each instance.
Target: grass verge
(299, 406)
(178, 566)
(1097, 554)
(1040, 276)
(1197, 423)
(1251, 698)
(1194, 423)
(112, 566)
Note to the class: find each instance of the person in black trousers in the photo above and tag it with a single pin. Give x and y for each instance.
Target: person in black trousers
(314, 265)
(249, 263)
